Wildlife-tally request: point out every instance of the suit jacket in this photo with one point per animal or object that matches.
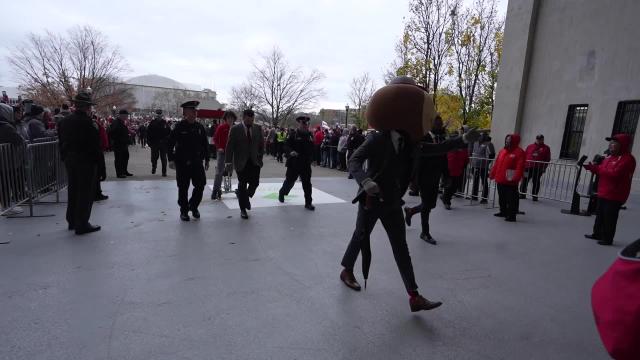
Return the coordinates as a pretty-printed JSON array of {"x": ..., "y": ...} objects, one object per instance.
[{"x": 239, "y": 151}]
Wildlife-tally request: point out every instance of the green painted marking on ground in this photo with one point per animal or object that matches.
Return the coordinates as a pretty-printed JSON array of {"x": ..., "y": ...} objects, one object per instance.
[{"x": 274, "y": 196}]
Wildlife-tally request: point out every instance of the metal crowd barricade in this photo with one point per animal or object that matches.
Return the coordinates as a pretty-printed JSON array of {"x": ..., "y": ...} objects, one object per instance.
[
  {"x": 30, "y": 174},
  {"x": 557, "y": 181}
]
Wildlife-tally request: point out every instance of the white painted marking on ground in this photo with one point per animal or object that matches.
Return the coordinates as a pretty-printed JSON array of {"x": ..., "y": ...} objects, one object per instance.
[{"x": 267, "y": 196}]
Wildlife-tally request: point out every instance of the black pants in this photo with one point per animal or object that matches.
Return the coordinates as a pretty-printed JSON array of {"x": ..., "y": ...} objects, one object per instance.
[
  {"x": 187, "y": 174},
  {"x": 508, "y": 200},
  {"x": 121, "y": 160},
  {"x": 480, "y": 174},
  {"x": 452, "y": 186},
  {"x": 279, "y": 151},
  {"x": 317, "y": 154},
  {"x": 534, "y": 175},
  {"x": 302, "y": 171},
  {"x": 81, "y": 175},
  {"x": 393, "y": 222},
  {"x": 98, "y": 187},
  {"x": 606, "y": 220},
  {"x": 334, "y": 157},
  {"x": 343, "y": 160},
  {"x": 248, "y": 181},
  {"x": 161, "y": 152}
]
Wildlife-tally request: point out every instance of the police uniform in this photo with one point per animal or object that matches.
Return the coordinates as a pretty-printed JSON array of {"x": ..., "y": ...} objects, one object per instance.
[
  {"x": 187, "y": 149},
  {"x": 158, "y": 136},
  {"x": 299, "y": 149},
  {"x": 82, "y": 155}
]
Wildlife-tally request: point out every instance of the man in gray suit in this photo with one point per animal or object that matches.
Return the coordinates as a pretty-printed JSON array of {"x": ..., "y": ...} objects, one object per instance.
[{"x": 244, "y": 152}]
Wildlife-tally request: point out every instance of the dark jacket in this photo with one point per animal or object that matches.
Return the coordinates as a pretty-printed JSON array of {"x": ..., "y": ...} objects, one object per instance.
[
  {"x": 119, "y": 135},
  {"x": 158, "y": 132},
  {"x": 36, "y": 129},
  {"x": 80, "y": 140},
  {"x": 188, "y": 143},
  {"x": 302, "y": 143},
  {"x": 354, "y": 141},
  {"x": 239, "y": 151}
]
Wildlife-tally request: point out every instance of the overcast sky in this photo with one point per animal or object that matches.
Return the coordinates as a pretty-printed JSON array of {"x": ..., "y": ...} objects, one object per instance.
[{"x": 214, "y": 43}]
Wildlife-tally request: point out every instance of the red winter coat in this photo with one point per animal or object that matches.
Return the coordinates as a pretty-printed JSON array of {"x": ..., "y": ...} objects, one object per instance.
[
  {"x": 457, "y": 160},
  {"x": 509, "y": 161},
  {"x": 221, "y": 136},
  {"x": 537, "y": 153},
  {"x": 616, "y": 172},
  {"x": 104, "y": 139},
  {"x": 615, "y": 299},
  {"x": 318, "y": 137}
]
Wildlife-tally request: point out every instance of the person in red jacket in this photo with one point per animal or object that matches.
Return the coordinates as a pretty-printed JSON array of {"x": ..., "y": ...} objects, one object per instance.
[
  {"x": 456, "y": 161},
  {"x": 318, "y": 137},
  {"x": 614, "y": 185},
  {"x": 220, "y": 141},
  {"x": 538, "y": 156},
  {"x": 507, "y": 172}
]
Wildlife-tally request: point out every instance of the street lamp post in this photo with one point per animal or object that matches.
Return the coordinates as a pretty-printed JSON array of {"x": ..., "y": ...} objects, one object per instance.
[{"x": 346, "y": 116}]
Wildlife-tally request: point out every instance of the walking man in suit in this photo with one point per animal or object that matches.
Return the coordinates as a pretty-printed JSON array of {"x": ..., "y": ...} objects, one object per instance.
[{"x": 244, "y": 152}]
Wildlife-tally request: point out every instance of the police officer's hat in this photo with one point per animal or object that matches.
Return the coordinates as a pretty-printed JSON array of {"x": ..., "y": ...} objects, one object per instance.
[
  {"x": 190, "y": 104},
  {"x": 303, "y": 118},
  {"x": 123, "y": 112},
  {"x": 159, "y": 111}
]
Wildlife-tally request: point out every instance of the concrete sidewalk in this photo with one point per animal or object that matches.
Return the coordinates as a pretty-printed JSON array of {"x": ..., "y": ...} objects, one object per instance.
[{"x": 151, "y": 287}]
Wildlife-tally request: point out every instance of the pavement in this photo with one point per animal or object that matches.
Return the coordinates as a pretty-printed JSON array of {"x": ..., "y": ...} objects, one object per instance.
[{"x": 149, "y": 286}]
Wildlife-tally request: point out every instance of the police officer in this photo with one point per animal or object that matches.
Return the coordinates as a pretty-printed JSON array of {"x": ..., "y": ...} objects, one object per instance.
[
  {"x": 82, "y": 155},
  {"x": 187, "y": 149},
  {"x": 120, "y": 140},
  {"x": 299, "y": 150},
  {"x": 158, "y": 139}
]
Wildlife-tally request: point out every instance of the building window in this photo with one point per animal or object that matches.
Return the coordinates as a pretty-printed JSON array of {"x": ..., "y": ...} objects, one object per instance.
[
  {"x": 626, "y": 120},
  {"x": 573, "y": 130}
]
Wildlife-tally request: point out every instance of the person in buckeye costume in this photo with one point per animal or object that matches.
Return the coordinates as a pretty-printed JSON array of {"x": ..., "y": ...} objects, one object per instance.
[{"x": 402, "y": 113}]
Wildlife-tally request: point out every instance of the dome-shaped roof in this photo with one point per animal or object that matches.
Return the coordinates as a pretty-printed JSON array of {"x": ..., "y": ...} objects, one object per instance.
[{"x": 156, "y": 80}]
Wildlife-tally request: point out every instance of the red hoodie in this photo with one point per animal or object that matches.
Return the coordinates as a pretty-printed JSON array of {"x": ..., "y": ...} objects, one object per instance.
[
  {"x": 457, "y": 160},
  {"x": 221, "y": 136},
  {"x": 535, "y": 153},
  {"x": 318, "y": 137},
  {"x": 616, "y": 172},
  {"x": 615, "y": 299},
  {"x": 510, "y": 161}
]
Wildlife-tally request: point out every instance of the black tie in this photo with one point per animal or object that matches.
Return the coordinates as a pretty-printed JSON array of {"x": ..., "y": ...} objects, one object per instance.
[{"x": 249, "y": 133}]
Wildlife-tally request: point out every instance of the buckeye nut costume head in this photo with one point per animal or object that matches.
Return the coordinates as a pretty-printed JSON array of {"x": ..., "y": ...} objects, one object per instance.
[{"x": 402, "y": 105}]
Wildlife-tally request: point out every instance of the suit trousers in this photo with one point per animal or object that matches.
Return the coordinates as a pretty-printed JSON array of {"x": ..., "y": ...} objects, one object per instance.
[
  {"x": 393, "y": 222},
  {"x": 81, "y": 189},
  {"x": 159, "y": 151},
  {"x": 508, "y": 199},
  {"x": 303, "y": 171},
  {"x": 186, "y": 174},
  {"x": 606, "y": 219},
  {"x": 121, "y": 160},
  {"x": 452, "y": 186},
  {"x": 248, "y": 181}
]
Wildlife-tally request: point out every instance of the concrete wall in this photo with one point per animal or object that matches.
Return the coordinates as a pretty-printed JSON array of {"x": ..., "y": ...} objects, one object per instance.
[{"x": 583, "y": 52}]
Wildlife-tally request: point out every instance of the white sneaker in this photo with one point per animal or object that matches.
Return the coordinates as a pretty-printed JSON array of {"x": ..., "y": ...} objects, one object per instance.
[{"x": 14, "y": 211}]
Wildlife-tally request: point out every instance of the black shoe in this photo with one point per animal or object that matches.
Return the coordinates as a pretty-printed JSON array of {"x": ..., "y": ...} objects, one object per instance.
[
  {"x": 128, "y": 174},
  {"x": 447, "y": 206},
  {"x": 195, "y": 213},
  {"x": 121, "y": 176},
  {"x": 153, "y": 171},
  {"x": 101, "y": 197},
  {"x": 280, "y": 196},
  {"x": 483, "y": 202},
  {"x": 164, "y": 175},
  {"x": 510, "y": 219},
  {"x": 428, "y": 239},
  {"x": 87, "y": 229},
  {"x": 592, "y": 237},
  {"x": 407, "y": 215},
  {"x": 71, "y": 227},
  {"x": 310, "y": 207},
  {"x": 535, "y": 198},
  {"x": 605, "y": 243},
  {"x": 520, "y": 212},
  {"x": 499, "y": 214},
  {"x": 350, "y": 176},
  {"x": 185, "y": 217},
  {"x": 243, "y": 214},
  {"x": 523, "y": 196}
]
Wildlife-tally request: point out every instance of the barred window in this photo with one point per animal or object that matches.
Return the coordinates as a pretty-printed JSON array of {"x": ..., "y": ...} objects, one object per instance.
[
  {"x": 626, "y": 120},
  {"x": 573, "y": 130}
]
